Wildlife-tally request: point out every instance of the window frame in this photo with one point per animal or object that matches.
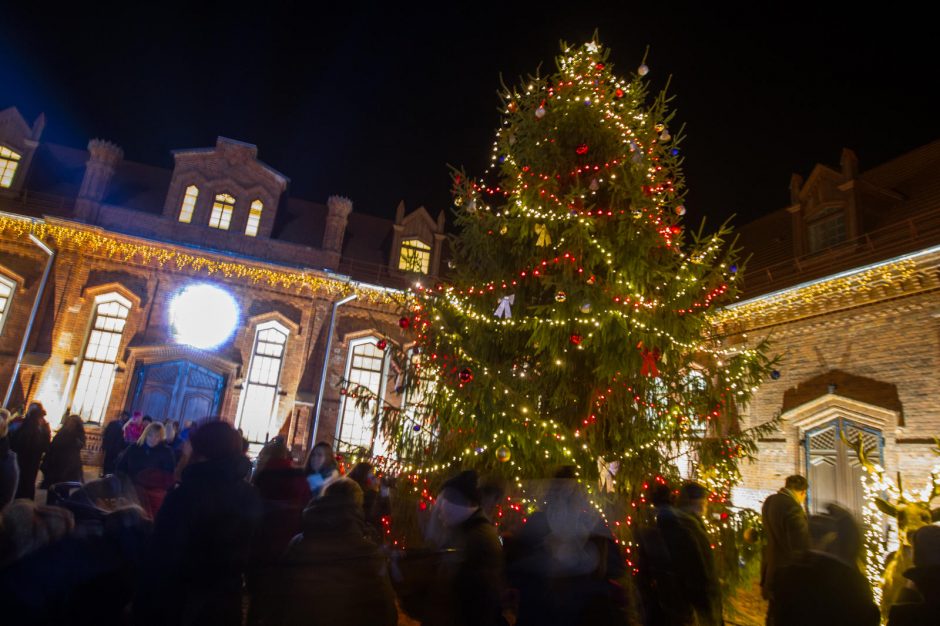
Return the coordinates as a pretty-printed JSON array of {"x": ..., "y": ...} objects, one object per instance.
[
  {"x": 223, "y": 207},
  {"x": 100, "y": 300},
  {"x": 382, "y": 372},
  {"x": 254, "y": 361},
  {"x": 11, "y": 284},
  {"x": 414, "y": 255},
  {"x": 820, "y": 235},
  {"x": 9, "y": 165},
  {"x": 186, "y": 204},
  {"x": 254, "y": 218}
]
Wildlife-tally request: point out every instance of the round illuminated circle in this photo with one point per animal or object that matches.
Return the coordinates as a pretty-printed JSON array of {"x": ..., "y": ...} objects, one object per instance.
[{"x": 203, "y": 316}]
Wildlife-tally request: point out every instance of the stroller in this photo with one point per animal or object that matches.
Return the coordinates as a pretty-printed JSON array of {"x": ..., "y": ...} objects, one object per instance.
[{"x": 91, "y": 502}]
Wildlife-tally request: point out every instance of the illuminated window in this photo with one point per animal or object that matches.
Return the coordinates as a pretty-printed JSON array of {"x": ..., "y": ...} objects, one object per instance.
[
  {"x": 189, "y": 204},
  {"x": 259, "y": 399},
  {"x": 9, "y": 160},
  {"x": 419, "y": 391},
  {"x": 827, "y": 229},
  {"x": 415, "y": 256},
  {"x": 254, "y": 218},
  {"x": 6, "y": 296},
  {"x": 93, "y": 389},
  {"x": 365, "y": 369},
  {"x": 222, "y": 211}
]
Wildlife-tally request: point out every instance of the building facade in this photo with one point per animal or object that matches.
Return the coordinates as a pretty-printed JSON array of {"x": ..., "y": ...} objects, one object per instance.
[
  {"x": 845, "y": 282},
  {"x": 205, "y": 290}
]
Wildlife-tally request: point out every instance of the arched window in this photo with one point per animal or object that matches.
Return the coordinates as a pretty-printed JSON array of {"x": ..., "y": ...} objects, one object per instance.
[
  {"x": 7, "y": 288},
  {"x": 254, "y": 218},
  {"x": 9, "y": 161},
  {"x": 93, "y": 389},
  {"x": 415, "y": 256},
  {"x": 366, "y": 366},
  {"x": 222, "y": 211},
  {"x": 258, "y": 402},
  {"x": 189, "y": 204}
]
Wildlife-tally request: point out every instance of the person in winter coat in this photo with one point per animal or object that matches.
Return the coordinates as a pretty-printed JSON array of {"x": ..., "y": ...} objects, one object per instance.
[
  {"x": 112, "y": 443},
  {"x": 30, "y": 442},
  {"x": 202, "y": 537},
  {"x": 825, "y": 586},
  {"x": 926, "y": 578},
  {"x": 134, "y": 428},
  {"x": 374, "y": 506},
  {"x": 9, "y": 468},
  {"x": 332, "y": 574},
  {"x": 467, "y": 586},
  {"x": 786, "y": 533},
  {"x": 320, "y": 467},
  {"x": 149, "y": 465},
  {"x": 63, "y": 462}
]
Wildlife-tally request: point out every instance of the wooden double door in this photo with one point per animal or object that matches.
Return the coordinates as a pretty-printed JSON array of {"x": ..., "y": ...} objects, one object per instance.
[
  {"x": 177, "y": 390},
  {"x": 833, "y": 468}
]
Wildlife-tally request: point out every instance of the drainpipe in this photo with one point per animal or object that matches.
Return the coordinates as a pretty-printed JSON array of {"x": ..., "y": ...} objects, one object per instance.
[
  {"x": 32, "y": 315},
  {"x": 326, "y": 364}
]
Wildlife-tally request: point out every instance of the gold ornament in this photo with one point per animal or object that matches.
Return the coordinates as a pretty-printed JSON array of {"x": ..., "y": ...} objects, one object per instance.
[
  {"x": 503, "y": 454},
  {"x": 561, "y": 296}
]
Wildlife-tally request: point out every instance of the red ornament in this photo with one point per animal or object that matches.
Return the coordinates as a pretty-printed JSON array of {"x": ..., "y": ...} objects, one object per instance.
[
  {"x": 576, "y": 339},
  {"x": 618, "y": 94},
  {"x": 404, "y": 322},
  {"x": 465, "y": 375},
  {"x": 599, "y": 66},
  {"x": 381, "y": 344},
  {"x": 582, "y": 149},
  {"x": 649, "y": 362}
]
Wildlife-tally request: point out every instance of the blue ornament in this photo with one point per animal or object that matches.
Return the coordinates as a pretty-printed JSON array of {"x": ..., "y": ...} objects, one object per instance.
[
  {"x": 502, "y": 158},
  {"x": 675, "y": 152},
  {"x": 775, "y": 374},
  {"x": 417, "y": 428},
  {"x": 733, "y": 269}
]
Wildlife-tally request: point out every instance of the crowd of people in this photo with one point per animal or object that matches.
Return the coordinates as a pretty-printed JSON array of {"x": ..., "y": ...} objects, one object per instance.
[{"x": 182, "y": 528}]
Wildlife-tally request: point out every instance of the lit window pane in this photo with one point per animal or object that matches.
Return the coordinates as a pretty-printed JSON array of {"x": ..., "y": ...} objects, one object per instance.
[
  {"x": 189, "y": 204},
  {"x": 254, "y": 218},
  {"x": 364, "y": 369},
  {"x": 222, "y": 211},
  {"x": 97, "y": 370},
  {"x": 6, "y": 294},
  {"x": 415, "y": 256},
  {"x": 258, "y": 400},
  {"x": 9, "y": 161}
]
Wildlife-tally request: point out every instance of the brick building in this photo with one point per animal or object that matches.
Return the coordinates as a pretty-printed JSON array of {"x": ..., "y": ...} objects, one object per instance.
[
  {"x": 845, "y": 282},
  {"x": 202, "y": 290}
]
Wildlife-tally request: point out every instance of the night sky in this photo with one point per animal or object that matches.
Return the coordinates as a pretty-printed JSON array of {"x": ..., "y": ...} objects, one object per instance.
[{"x": 374, "y": 103}]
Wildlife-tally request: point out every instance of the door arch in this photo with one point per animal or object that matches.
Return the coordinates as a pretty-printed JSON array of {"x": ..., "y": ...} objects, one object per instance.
[{"x": 177, "y": 390}]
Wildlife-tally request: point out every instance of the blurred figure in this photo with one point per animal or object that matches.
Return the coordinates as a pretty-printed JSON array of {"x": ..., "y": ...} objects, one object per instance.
[
  {"x": 26, "y": 527},
  {"x": 468, "y": 582},
  {"x": 63, "y": 462},
  {"x": 658, "y": 582},
  {"x": 492, "y": 492},
  {"x": 202, "y": 537},
  {"x": 133, "y": 428},
  {"x": 332, "y": 574},
  {"x": 825, "y": 585},
  {"x": 9, "y": 468},
  {"x": 374, "y": 506},
  {"x": 112, "y": 442},
  {"x": 786, "y": 534},
  {"x": 567, "y": 564},
  {"x": 30, "y": 442},
  {"x": 926, "y": 578},
  {"x": 146, "y": 420},
  {"x": 170, "y": 427},
  {"x": 691, "y": 553},
  {"x": 320, "y": 467},
  {"x": 149, "y": 464}
]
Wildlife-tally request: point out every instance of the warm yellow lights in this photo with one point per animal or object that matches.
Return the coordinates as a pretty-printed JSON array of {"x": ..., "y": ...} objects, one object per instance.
[
  {"x": 9, "y": 161},
  {"x": 415, "y": 256},
  {"x": 189, "y": 204},
  {"x": 254, "y": 218},
  {"x": 222, "y": 211}
]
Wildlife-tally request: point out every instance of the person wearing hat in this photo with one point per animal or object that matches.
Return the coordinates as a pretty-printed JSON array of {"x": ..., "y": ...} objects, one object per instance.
[
  {"x": 469, "y": 579},
  {"x": 926, "y": 577}
]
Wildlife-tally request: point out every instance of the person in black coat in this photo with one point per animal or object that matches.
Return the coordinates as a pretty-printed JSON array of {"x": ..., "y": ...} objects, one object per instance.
[
  {"x": 202, "y": 537},
  {"x": 30, "y": 442},
  {"x": 926, "y": 578},
  {"x": 9, "y": 468},
  {"x": 825, "y": 586},
  {"x": 786, "y": 533},
  {"x": 63, "y": 462},
  {"x": 112, "y": 443},
  {"x": 332, "y": 573}
]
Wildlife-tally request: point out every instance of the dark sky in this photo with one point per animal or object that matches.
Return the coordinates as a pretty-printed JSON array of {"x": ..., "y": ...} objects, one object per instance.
[{"x": 374, "y": 103}]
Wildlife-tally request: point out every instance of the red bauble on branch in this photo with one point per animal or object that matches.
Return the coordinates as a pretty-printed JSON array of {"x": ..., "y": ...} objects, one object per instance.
[
  {"x": 381, "y": 344},
  {"x": 576, "y": 339},
  {"x": 465, "y": 375},
  {"x": 404, "y": 322},
  {"x": 582, "y": 149}
]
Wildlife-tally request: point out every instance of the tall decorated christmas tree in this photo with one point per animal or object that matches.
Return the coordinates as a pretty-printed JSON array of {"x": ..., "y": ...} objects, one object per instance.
[{"x": 573, "y": 325}]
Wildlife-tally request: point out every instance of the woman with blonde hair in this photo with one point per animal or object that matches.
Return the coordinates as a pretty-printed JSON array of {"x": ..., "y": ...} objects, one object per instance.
[{"x": 149, "y": 465}]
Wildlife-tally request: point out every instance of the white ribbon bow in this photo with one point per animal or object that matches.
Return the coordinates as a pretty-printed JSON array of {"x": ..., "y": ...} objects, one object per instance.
[{"x": 504, "y": 309}]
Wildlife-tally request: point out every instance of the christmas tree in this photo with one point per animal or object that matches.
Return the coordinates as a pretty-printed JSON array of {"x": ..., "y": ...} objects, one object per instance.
[{"x": 573, "y": 327}]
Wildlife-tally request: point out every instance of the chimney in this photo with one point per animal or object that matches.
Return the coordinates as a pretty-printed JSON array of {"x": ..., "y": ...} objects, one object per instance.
[
  {"x": 102, "y": 160},
  {"x": 849, "y": 164},
  {"x": 338, "y": 210}
]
